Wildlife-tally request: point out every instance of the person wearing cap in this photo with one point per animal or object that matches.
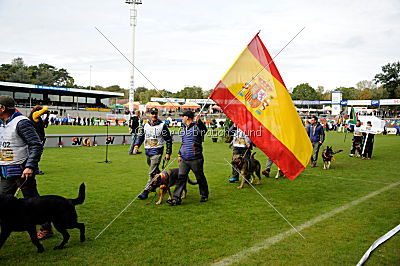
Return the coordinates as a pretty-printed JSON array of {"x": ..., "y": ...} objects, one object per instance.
[
  {"x": 20, "y": 152},
  {"x": 134, "y": 125},
  {"x": 190, "y": 157},
  {"x": 368, "y": 144},
  {"x": 241, "y": 147},
  {"x": 154, "y": 134},
  {"x": 39, "y": 123}
]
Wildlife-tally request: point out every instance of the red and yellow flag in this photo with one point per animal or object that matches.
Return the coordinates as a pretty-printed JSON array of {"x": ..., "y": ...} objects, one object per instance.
[{"x": 253, "y": 95}]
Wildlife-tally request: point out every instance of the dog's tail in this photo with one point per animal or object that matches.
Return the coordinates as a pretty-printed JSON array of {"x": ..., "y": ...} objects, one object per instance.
[
  {"x": 252, "y": 156},
  {"x": 337, "y": 151},
  {"x": 81, "y": 196},
  {"x": 192, "y": 182}
]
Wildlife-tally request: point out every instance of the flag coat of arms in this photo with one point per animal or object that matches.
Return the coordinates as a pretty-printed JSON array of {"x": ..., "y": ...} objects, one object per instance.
[{"x": 253, "y": 95}]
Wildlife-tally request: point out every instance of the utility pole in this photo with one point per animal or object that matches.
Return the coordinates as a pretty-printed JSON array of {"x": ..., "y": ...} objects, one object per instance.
[
  {"x": 133, "y": 16},
  {"x": 90, "y": 74}
]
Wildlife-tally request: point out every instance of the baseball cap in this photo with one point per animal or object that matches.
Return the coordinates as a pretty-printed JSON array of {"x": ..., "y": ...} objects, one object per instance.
[
  {"x": 153, "y": 110},
  {"x": 7, "y": 101},
  {"x": 189, "y": 114}
]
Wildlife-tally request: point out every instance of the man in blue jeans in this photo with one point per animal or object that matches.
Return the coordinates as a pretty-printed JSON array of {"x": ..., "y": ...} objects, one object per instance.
[
  {"x": 190, "y": 157},
  {"x": 317, "y": 137}
]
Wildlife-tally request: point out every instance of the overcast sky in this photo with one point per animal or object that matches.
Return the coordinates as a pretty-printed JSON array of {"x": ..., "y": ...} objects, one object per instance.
[{"x": 191, "y": 42}]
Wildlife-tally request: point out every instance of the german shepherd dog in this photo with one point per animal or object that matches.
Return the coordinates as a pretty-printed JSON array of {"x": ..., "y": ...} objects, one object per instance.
[
  {"x": 17, "y": 215},
  {"x": 247, "y": 166},
  {"x": 166, "y": 179},
  {"x": 327, "y": 156}
]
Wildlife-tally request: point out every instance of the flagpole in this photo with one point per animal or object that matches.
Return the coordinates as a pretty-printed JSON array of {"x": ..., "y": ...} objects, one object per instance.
[{"x": 365, "y": 144}]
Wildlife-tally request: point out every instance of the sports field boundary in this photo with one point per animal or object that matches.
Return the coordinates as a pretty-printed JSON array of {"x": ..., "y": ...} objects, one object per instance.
[{"x": 266, "y": 243}]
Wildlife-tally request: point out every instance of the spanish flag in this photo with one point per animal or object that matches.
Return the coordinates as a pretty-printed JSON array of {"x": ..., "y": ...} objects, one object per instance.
[{"x": 253, "y": 95}]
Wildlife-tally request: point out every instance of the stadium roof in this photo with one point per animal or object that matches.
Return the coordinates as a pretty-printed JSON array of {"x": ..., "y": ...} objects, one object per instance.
[{"x": 23, "y": 87}]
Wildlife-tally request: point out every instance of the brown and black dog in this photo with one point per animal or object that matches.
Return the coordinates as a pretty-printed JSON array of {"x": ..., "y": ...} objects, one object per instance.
[
  {"x": 165, "y": 180},
  {"x": 327, "y": 156},
  {"x": 247, "y": 166}
]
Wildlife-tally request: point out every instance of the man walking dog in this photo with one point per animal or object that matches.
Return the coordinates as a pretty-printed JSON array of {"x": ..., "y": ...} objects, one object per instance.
[
  {"x": 190, "y": 157},
  {"x": 317, "y": 137},
  {"x": 154, "y": 134},
  {"x": 20, "y": 152}
]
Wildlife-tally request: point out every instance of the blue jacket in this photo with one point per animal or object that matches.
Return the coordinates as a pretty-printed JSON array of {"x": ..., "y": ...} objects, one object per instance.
[
  {"x": 192, "y": 138},
  {"x": 316, "y": 134},
  {"x": 155, "y": 151}
]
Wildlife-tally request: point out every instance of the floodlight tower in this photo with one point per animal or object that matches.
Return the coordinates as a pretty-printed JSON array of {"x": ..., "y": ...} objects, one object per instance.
[{"x": 133, "y": 15}]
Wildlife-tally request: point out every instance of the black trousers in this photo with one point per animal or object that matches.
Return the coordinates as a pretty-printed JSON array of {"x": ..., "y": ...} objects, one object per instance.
[
  {"x": 10, "y": 185},
  {"x": 357, "y": 142},
  {"x": 197, "y": 167},
  {"x": 369, "y": 146}
]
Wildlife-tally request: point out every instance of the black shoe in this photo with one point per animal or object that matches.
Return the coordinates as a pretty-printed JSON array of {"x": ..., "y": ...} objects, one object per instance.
[
  {"x": 174, "y": 202},
  {"x": 144, "y": 195},
  {"x": 40, "y": 173},
  {"x": 204, "y": 199}
]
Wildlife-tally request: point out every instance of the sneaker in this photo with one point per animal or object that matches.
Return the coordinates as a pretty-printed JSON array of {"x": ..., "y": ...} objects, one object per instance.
[
  {"x": 313, "y": 165},
  {"x": 351, "y": 155},
  {"x": 44, "y": 234},
  {"x": 40, "y": 172},
  {"x": 174, "y": 202},
  {"x": 233, "y": 179},
  {"x": 144, "y": 195},
  {"x": 204, "y": 199},
  {"x": 281, "y": 174},
  {"x": 265, "y": 172}
]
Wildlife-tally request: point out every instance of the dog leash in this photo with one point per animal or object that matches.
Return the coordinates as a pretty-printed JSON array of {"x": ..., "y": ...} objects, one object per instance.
[
  {"x": 152, "y": 199},
  {"x": 19, "y": 189}
]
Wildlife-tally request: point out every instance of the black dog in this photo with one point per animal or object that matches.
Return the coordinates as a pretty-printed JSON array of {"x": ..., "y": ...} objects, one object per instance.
[
  {"x": 24, "y": 214},
  {"x": 247, "y": 167},
  {"x": 327, "y": 156},
  {"x": 166, "y": 179}
]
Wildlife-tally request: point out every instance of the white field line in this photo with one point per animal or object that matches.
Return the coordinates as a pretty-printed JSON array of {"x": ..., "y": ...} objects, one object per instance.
[
  {"x": 345, "y": 178},
  {"x": 266, "y": 243}
]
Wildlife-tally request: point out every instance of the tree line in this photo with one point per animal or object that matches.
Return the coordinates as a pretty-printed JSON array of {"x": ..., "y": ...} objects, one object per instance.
[{"x": 384, "y": 85}]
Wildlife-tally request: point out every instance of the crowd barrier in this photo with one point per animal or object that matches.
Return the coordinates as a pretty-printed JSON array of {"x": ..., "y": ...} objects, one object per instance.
[{"x": 79, "y": 140}]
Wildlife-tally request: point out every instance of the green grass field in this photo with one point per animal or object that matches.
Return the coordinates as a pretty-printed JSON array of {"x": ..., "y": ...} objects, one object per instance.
[{"x": 233, "y": 220}]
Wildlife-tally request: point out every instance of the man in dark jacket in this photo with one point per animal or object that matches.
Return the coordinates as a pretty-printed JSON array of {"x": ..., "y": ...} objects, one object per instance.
[
  {"x": 134, "y": 124},
  {"x": 317, "y": 136},
  {"x": 154, "y": 134},
  {"x": 20, "y": 151},
  {"x": 190, "y": 157}
]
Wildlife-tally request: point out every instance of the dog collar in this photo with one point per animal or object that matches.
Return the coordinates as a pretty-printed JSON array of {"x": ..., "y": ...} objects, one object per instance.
[{"x": 162, "y": 177}]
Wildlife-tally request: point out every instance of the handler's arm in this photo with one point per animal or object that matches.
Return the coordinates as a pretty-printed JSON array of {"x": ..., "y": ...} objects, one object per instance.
[
  {"x": 322, "y": 136},
  {"x": 27, "y": 132},
  {"x": 168, "y": 139},
  {"x": 140, "y": 138}
]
